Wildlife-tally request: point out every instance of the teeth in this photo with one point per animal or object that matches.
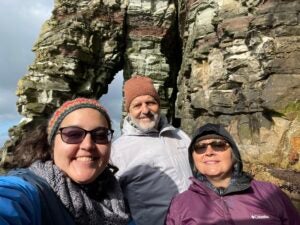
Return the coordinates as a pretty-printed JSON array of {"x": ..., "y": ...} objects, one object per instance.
[{"x": 85, "y": 159}]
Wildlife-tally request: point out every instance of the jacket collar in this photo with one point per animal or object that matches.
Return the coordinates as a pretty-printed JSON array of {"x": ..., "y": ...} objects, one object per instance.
[{"x": 237, "y": 184}]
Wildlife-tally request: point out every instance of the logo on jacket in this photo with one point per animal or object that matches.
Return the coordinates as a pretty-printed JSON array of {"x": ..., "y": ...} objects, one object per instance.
[{"x": 259, "y": 217}]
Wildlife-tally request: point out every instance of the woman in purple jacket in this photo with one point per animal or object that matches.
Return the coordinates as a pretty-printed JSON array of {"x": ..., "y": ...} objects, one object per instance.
[{"x": 221, "y": 193}]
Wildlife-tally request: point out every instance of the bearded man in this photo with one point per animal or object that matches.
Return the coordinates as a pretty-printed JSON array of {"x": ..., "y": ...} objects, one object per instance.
[{"x": 151, "y": 155}]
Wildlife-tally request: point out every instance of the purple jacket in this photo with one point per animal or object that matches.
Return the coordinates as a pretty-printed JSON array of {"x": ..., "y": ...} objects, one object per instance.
[{"x": 262, "y": 203}]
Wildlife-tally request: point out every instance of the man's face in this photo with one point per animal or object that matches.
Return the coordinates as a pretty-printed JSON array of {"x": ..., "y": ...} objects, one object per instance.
[{"x": 144, "y": 111}]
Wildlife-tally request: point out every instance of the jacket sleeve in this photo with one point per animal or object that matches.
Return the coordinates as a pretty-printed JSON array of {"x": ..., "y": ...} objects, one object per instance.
[
  {"x": 19, "y": 202},
  {"x": 173, "y": 217}
]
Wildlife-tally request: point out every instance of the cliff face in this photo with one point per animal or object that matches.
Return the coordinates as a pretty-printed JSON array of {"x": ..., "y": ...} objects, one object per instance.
[
  {"x": 240, "y": 68},
  {"x": 234, "y": 62}
]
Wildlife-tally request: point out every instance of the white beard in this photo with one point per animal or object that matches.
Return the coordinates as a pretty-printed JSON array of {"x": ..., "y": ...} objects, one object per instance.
[{"x": 149, "y": 125}]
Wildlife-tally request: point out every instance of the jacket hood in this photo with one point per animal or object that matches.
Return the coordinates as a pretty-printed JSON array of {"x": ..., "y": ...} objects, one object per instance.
[{"x": 219, "y": 130}]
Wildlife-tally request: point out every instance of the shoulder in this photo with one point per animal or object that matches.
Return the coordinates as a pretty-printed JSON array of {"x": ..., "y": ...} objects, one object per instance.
[
  {"x": 119, "y": 140},
  {"x": 173, "y": 132},
  {"x": 21, "y": 188},
  {"x": 19, "y": 200},
  {"x": 128, "y": 143},
  {"x": 181, "y": 206},
  {"x": 267, "y": 190},
  {"x": 263, "y": 186},
  {"x": 183, "y": 199},
  {"x": 123, "y": 143},
  {"x": 17, "y": 184},
  {"x": 183, "y": 134},
  {"x": 31, "y": 178},
  {"x": 264, "y": 189}
]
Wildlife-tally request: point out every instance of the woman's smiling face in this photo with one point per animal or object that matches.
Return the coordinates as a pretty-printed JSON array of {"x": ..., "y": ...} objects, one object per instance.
[
  {"x": 216, "y": 162},
  {"x": 85, "y": 161}
]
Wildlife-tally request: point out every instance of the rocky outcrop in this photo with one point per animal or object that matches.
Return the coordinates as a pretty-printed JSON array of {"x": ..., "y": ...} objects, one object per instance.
[
  {"x": 231, "y": 62},
  {"x": 240, "y": 68}
]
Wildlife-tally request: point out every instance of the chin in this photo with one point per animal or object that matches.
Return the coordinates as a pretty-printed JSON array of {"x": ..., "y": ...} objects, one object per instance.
[
  {"x": 146, "y": 126},
  {"x": 84, "y": 177},
  {"x": 86, "y": 180}
]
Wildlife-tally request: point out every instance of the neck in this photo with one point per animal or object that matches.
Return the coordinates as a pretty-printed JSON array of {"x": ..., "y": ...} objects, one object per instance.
[{"x": 219, "y": 183}]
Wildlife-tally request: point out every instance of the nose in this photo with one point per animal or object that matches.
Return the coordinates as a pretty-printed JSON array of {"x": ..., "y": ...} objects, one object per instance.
[
  {"x": 87, "y": 143},
  {"x": 209, "y": 150},
  {"x": 145, "y": 109}
]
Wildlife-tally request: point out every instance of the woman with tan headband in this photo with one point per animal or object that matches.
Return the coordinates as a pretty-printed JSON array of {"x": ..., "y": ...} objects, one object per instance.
[
  {"x": 221, "y": 192},
  {"x": 62, "y": 176}
]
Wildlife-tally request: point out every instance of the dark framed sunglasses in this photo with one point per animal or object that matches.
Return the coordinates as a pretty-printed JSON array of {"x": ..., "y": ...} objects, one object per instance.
[
  {"x": 216, "y": 145},
  {"x": 75, "y": 135}
]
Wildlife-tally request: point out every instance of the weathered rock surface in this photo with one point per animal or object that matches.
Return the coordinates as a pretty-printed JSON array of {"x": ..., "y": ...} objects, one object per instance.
[{"x": 231, "y": 62}]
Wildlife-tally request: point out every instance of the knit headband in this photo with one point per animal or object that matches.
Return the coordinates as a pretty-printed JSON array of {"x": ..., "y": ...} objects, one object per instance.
[
  {"x": 68, "y": 107},
  {"x": 138, "y": 86}
]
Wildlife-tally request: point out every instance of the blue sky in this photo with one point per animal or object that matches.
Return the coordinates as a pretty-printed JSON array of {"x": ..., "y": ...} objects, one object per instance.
[{"x": 20, "y": 22}]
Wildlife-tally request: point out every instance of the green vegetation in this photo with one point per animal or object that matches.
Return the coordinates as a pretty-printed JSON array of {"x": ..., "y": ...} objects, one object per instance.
[{"x": 293, "y": 107}]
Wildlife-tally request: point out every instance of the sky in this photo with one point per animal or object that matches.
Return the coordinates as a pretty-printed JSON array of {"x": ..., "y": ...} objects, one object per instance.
[{"x": 20, "y": 23}]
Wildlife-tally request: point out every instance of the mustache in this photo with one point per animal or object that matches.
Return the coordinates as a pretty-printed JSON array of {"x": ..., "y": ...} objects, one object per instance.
[
  {"x": 146, "y": 126},
  {"x": 149, "y": 114}
]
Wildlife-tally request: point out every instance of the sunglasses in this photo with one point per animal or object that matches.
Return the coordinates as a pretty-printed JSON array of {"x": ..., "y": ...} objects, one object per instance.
[
  {"x": 216, "y": 145},
  {"x": 75, "y": 135}
]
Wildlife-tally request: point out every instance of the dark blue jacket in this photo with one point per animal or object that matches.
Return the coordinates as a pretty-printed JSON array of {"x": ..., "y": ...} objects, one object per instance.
[{"x": 27, "y": 199}]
